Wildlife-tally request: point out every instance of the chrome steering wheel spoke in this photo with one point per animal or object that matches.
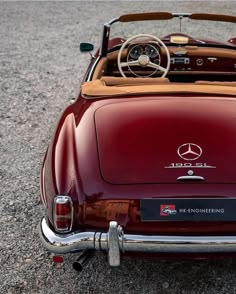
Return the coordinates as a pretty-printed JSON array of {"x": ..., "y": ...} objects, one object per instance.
[
  {"x": 129, "y": 63},
  {"x": 156, "y": 66}
]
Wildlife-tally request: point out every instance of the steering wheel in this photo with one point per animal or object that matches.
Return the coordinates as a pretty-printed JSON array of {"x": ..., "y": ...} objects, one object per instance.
[{"x": 143, "y": 60}]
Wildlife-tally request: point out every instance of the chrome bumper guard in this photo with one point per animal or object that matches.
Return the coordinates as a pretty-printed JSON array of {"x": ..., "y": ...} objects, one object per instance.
[{"x": 116, "y": 242}]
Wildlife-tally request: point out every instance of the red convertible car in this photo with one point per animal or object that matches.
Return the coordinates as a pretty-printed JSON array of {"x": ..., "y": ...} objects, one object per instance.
[{"x": 144, "y": 161}]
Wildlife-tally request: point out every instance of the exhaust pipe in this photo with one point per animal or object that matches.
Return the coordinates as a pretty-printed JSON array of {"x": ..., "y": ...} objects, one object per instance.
[{"x": 82, "y": 260}]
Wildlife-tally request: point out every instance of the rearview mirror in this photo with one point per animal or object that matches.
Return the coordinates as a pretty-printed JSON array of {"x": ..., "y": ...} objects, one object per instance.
[{"x": 86, "y": 47}]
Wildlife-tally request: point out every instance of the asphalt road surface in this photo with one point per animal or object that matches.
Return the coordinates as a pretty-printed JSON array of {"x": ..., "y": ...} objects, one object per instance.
[{"x": 40, "y": 71}]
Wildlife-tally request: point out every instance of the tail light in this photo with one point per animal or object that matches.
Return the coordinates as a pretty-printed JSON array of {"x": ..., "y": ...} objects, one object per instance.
[{"x": 63, "y": 213}]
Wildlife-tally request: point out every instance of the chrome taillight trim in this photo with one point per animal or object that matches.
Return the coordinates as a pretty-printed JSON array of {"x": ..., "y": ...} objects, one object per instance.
[{"x": 62, "y": 199}]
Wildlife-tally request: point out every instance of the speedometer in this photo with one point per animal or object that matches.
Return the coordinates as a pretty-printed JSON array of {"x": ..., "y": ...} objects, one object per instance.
[
  {"x": 151, "y": 51},
  {"x": 135, "y": 52}
]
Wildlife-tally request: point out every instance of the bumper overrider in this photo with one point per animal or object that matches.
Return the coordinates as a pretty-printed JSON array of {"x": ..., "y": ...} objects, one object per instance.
[{"x": 115, "y": 242}]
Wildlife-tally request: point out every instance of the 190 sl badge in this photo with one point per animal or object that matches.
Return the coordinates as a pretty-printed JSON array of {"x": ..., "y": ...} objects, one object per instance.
[{"x": 189, "y": 152}]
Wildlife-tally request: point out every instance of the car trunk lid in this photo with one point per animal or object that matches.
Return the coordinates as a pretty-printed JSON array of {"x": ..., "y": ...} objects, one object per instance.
[{"x": 181, "y": 139}]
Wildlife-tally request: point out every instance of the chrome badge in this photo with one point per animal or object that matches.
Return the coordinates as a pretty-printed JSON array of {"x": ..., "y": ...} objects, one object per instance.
[{"x": 189, "y": 151}]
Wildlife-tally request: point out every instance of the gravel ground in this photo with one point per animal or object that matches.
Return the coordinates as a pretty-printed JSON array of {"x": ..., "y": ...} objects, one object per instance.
[{"x": 40, "y": 71}]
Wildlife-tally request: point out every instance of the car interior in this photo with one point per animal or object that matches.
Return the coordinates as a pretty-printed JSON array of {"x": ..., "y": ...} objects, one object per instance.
[{"x": 177, "y": 62}]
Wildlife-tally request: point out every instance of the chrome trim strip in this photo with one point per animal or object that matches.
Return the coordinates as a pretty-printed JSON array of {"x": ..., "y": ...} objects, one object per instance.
[
  {"x": 115, "y": 241},
  {"x": 183, "y": 14},
  {"x": 113, "y": 21},
  {"x": 65, "y": 243},
  {"x": 191, "y": 166},
  {"x": 91, "y": 71},
  {"x": 180, "y": 244},
  {"x": 190, "y": 178}
]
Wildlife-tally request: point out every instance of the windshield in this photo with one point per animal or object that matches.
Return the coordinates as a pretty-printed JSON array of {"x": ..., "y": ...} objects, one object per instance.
[{"x": 198, "y": 29}]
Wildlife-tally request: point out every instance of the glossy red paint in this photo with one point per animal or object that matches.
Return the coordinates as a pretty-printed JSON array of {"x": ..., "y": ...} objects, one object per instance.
[
  {"x": 109, "y": 153},
  {"x": 232, "y": 41},
  {"x": 73, "y": 166},
  {"x": 138, "y": 140}
]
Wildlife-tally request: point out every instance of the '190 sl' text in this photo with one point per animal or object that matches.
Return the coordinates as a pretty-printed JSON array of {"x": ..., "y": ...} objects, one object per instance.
[{"x": 190, "y": 165}]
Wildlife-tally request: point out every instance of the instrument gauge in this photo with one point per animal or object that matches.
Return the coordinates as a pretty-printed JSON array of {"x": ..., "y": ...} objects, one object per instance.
[
  {"x": 135, "y": 52},
  {"x": 151, "y": 51}
]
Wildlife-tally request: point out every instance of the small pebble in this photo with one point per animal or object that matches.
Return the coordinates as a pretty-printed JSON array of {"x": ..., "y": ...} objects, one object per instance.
[{"x": 165, "y": 285}]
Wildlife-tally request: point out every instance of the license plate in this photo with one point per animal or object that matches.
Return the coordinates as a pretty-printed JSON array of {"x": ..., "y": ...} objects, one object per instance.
[{"x": 182, "y": 209}]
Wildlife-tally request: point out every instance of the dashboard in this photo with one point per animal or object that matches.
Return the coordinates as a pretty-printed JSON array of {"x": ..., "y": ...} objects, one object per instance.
[{"x": 187, "y": 58}]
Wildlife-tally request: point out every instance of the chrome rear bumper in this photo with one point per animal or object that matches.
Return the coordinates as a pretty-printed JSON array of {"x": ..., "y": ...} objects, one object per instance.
[{"x": 116, "y": 242}]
